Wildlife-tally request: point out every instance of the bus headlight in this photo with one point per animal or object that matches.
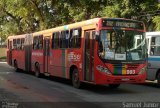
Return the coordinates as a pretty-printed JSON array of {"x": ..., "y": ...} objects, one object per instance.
[
  {"x": 103, "y": 69},
  {"x": 142, "y": 71}
]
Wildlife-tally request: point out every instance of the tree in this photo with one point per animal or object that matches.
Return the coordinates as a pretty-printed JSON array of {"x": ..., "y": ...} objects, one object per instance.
[{"x": 27, "y": 16}]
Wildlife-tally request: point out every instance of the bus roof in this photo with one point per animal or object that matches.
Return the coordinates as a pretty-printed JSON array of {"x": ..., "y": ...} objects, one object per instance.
[
  {"x": 70, "y": 26},
  {"x": 77, "y": 25},
  {"x": 17, "y": 36},
  {"x": 156, "y": 33}
]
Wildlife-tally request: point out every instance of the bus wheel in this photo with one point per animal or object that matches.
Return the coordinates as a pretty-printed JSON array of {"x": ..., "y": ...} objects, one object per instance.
[
  {"x": 114, "y": 86},
  {"x": 158, "y": 79},
  {"x": 37, "y": 71},
  {"x": 16, "y": 66},
  {"x": 75, "y": 79}
]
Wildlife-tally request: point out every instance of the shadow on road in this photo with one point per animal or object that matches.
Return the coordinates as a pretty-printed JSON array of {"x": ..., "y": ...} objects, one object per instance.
[
  {"x": 99, "y": 89},
  {"x": 150, "y": 84},
  {"x": 105, "y": 89}
]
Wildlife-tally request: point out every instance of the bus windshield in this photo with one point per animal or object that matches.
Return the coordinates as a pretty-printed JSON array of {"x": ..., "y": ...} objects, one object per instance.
[{"x": 122, "y": 45}]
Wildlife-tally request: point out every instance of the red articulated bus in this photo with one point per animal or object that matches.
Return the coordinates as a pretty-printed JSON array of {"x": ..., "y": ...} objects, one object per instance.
[
  {"x": 17, "y": 53},
  {"x": 97, "y": 51}
]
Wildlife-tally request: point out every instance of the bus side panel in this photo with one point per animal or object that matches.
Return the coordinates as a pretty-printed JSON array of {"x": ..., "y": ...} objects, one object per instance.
[
  {"x": 153, "y": 67},
  {"x": 55, "y": 66},
  {"x": 151, "y": 74},
  {"x": 61, "y": 60},
  {"x": 37, "y": 57},
  {"x": 20, "y": 59},
  {"x": 74, "y": 57},
  {"x": 14, "y": 56},
  {"x": 98, "y": 75}
]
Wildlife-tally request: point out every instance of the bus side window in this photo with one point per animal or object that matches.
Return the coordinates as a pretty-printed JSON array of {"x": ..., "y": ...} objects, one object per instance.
[
  {"x": 67, "y": 36},
  {"x": 35, "y": 43},
  {"x": 75, "y": 38},
  {"x": 38, "y": 42},
  {"x": 22, "y": 44},
  {"x": 18, "y": 44},
  {"x": 60, "y": 40},
  {"x": 65, "y": 39},
  {"x": 10, "y": 45},
  {"x": 55, "y": 40},
  {"x": 155, "y": 46},
  {"x": 14, "y": 44}
]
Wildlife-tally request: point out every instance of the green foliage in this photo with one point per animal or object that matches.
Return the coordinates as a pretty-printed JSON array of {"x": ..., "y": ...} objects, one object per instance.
[
  {"x": 156, "y": 20},
  {"x": 25, "y": 16},
  {"x": 2, "y": 54}
]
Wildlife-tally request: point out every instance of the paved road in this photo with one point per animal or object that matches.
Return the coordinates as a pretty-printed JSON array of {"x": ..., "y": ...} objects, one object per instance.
[{"x": 25, "y": 89}]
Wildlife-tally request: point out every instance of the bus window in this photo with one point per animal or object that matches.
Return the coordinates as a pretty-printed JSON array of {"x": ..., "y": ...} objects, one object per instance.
[
  {"x": 122, "y": 43},
  {"x": 22, "y": 43},
  {"x": 53, "y": 36},
  {"x": 155, "y": 46},
  {"x": 18, "y": 44},
  {"x": 14, "y": 44},
  {"x": 35, "y": 43},
  {"x": 38, "y": 42},
  {"x": 65, "y": 39},
  {"x": 10, "y": 45},
  {"x": 75, "y": 38},
  {"x": 55, "y": 40}
]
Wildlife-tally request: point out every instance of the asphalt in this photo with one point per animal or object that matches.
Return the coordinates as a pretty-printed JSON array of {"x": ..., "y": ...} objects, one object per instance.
[{"x": 28, "y": 91}]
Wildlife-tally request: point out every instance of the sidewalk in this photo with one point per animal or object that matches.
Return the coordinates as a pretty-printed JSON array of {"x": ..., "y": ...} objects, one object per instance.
[{"x": 2, "y": 60}]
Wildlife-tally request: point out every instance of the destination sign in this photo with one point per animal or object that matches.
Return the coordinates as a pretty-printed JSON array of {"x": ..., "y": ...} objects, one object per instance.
[{"x": 122, "y": 23}]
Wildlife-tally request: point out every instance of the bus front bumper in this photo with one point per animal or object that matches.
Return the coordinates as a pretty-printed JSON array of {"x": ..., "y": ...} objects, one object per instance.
[{"x": 120, "y": 79}]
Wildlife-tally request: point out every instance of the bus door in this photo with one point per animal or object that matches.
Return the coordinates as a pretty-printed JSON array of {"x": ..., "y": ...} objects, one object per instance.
[
  {"x": 88, "y": 67},
  {"x": 46, "y": 53}
]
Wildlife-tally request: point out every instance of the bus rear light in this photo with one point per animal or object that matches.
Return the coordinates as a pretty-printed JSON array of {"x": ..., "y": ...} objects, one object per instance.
[
  {"x": 103, "y": 69},
  {"x": 142, "y": 71}
]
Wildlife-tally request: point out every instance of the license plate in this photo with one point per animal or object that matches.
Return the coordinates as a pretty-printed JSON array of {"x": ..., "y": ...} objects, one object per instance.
[{"x": 125, "y": 79}]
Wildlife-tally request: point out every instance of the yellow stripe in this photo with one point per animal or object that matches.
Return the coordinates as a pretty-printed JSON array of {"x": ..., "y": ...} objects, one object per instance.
[{"x": 124, "y": 69}]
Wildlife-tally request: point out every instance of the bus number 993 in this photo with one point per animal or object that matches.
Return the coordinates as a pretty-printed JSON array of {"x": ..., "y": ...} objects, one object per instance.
[{"x": 131, "y": 72}]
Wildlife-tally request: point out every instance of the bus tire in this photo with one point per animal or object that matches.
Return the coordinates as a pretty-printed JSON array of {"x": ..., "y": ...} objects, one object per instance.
[
  {"x": 16, "y": 66},
  {"x": 114, "y": 86},
  {"x": 158, "y": 79},
  {"x": 37, "y": 71},
  {"x": 75, "y": 79}
]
